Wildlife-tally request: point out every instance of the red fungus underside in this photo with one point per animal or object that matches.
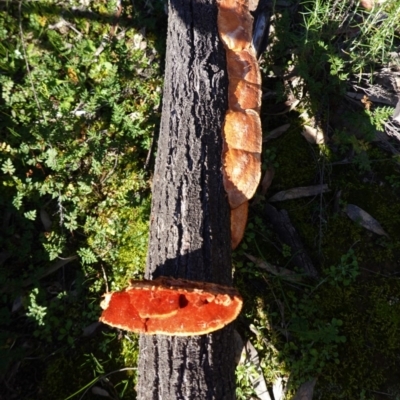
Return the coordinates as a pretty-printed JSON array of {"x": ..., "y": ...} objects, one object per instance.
[{"x": 171, "y": 307}]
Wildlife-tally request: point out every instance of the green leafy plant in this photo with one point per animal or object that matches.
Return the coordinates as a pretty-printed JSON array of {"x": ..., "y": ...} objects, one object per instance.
[
  {"x": 245, "y": 373},
  {"x": 34, "y": 310},
  {"x": 345, "y": 272},
  {"x": 79, "y": 110},
  {"x": 269, "y": 157},
  {"x": 394, "y": 181}
]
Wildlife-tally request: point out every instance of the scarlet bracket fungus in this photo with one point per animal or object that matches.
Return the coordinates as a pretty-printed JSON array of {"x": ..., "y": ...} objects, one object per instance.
[
  {"x": 241, "y": 133},
  {"x": 170, "y": 306},
  {"x": 241, "y": 175},
  {"x": 238, "y": 223}
]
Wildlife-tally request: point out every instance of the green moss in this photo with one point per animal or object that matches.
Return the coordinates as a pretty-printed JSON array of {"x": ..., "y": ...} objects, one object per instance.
[
  {"x": 347, "y": 336},
  {"x": 132, "y": 246},
  {"x": 302, "y": 328},
  {"x": 370, "y": 312},
  {"x": 55, "y": 383},
  {"x": 327, "y": 236},
  {"x": 296, "y": 161}
]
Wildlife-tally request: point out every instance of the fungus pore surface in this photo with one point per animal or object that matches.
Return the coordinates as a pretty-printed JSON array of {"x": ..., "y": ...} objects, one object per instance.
[{"x": 171, "y": 307}]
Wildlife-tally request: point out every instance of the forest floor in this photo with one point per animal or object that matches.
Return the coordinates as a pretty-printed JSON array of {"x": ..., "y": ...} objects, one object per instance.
[{"x": 322, "y": 249}]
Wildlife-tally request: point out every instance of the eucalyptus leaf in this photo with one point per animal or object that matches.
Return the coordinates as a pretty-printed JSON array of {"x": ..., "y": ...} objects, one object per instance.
[
  {"x": 275, "y": 133},
  {"x": 396, "y": 112},
  {"x": 98, "y": 391},
  {"x": 91, "y": 329},
  {"x": 314, "y": 135},
  {"x": 299, "y": 192},
  {"x": 306, "y": 390},
  {"x": 267, "y": 179},
  {"x": 278, "y": 271},
  {"x": 46, "y": 220},
  {"x": 361, "y": 217}
]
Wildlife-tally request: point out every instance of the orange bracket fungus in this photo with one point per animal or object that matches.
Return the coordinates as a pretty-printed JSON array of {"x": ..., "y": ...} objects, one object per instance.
[
  {"x": 238, "y": 223},
  {"x": 171, "y": 306},
  {"x": 242, "y": 135}
]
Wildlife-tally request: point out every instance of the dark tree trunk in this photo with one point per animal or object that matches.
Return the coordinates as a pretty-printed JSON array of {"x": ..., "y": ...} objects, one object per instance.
[{"x": 190, "y": 230}]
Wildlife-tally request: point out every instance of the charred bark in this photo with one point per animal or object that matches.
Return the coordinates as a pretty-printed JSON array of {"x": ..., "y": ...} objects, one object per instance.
[{"x": 190, "y": 230}]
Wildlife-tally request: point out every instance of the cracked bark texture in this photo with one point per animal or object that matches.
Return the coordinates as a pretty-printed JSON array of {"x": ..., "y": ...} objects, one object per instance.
[{"x": 190, "y": 229}]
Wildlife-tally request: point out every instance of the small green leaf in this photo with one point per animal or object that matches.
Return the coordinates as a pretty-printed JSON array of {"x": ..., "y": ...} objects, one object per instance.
[
  {"x": 30, "y": 215},
  {"x": 87, "y": 256},
  {"x": 8, "y": 167}
]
